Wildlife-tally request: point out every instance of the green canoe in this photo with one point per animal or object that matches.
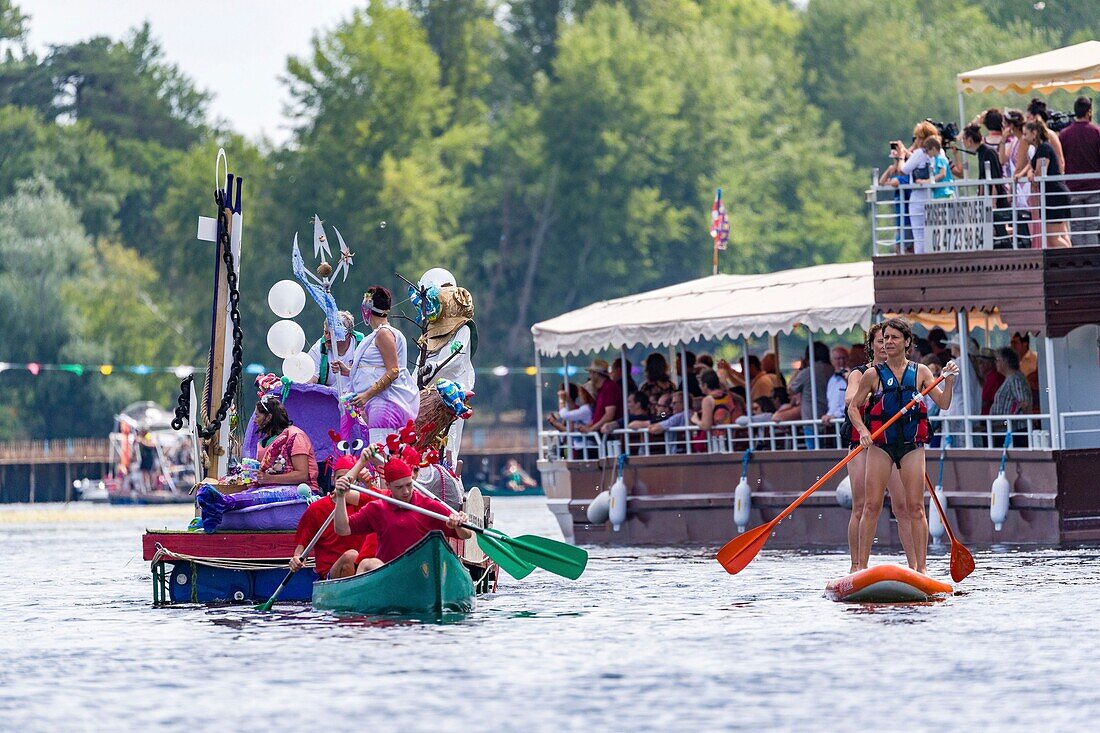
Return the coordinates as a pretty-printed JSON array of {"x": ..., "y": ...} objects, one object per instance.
[{"x": 428, "y": 579}]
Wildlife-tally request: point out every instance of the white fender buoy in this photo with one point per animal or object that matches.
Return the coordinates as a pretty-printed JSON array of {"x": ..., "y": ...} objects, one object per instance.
[
  {"x": 616, "y": 511},
  {"x": 998, "y": 501},
  {"x": 844, "y": 493},
  {"x": 598, "y": 509},
  {"x": 935, "y": 524},
  {"x": 742, "y": 504}
]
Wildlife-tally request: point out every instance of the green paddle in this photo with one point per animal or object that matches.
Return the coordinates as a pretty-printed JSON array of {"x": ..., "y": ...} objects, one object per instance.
[{"x": 517, "y": 556}]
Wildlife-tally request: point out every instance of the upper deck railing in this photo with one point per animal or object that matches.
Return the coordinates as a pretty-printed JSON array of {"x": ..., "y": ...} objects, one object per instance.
[{"x": 984, "y": 214}]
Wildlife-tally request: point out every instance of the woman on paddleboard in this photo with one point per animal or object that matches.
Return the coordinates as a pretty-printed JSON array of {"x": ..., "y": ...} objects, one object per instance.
[{"x": 891, "y": 385}]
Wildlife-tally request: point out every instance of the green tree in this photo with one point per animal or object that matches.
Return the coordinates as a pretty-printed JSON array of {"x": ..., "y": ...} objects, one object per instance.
[{"x": 880, "y": 68}]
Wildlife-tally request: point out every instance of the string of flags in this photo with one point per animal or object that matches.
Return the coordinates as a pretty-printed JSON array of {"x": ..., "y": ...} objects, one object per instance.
[{"x": 182, "y": 371}]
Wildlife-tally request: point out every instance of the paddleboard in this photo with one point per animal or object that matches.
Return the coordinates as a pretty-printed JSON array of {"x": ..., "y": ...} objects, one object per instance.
[{"x": 885, "y": 584}]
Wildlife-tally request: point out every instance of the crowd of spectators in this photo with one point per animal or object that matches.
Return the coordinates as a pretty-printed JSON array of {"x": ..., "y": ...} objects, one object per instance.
[
  {"x": 1010, "y": 149},
  {"x": 1002, "y": 382}
]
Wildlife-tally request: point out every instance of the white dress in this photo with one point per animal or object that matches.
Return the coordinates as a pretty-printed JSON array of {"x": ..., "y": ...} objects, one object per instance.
[{"x": 389, "y": 410}]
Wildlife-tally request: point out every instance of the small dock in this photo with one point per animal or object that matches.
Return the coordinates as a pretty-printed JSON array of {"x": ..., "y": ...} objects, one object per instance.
[{"x": 44, "y": 470}]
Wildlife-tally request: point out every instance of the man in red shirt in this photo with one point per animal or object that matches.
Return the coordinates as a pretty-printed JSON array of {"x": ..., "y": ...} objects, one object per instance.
[
  {"x": 333, "y": 554},
  {"x": 397, "y": 528},
  {"x": 1081, "y": 147},
  {"x": 609, "y": 397}
]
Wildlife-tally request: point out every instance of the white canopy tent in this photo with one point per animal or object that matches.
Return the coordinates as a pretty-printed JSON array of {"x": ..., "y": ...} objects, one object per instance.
[
  {"x": 1070, "y": 69},
  {"x": 823, "y": 298}
]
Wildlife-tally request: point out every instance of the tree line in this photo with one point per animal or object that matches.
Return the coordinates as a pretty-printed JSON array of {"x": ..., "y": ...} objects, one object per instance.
[{"x": 549, "y": 152}]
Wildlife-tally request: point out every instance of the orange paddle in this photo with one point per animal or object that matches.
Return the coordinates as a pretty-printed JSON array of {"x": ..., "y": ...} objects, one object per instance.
[
  {"x": 962, "y": 562},
  {"x": 740, "y": 551}
]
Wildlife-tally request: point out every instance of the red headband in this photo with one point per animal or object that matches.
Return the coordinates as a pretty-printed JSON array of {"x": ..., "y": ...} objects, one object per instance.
[{"x": 344, "y": 463}]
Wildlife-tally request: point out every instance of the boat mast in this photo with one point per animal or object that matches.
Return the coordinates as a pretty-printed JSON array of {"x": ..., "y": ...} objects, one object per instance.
[{"x": 224, "y": 359}]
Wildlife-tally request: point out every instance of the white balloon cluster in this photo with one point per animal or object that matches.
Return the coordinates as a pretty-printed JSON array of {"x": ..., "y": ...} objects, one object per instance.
[{"x": 286, "y": 339}]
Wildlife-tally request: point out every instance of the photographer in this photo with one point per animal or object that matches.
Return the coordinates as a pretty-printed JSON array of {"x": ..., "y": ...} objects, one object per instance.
[
  {"x": 989, "y": 167},
  {"x": 915, "y": 163}
]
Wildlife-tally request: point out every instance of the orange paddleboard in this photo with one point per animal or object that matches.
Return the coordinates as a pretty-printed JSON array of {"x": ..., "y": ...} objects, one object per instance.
[{"x": 885, "y": 584}]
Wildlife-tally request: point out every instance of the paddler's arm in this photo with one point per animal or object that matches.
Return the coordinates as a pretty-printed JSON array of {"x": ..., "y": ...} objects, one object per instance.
[
  {"x": 940, "y": 395},
  {"x": 863, "y": 391},
  {"x": 340, "y": 515},
  {"x": 455, "y": 521},
  {"x": 296, "y": 558}
]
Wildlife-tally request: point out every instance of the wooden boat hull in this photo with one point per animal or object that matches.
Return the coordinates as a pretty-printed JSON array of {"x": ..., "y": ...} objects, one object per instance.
[
  {"x": 428, "y": 579},
  {"x": 886, "y": 584}
]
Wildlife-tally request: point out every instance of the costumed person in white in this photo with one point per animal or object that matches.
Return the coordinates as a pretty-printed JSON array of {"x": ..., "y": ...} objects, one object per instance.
[
  {"x": 327, "y": 370},
  {"x": 452, "y": 330},
  {"x": 384, "y": 391}
]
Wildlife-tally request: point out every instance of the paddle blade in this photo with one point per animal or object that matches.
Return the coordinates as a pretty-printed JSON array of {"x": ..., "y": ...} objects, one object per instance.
[
  {"x": 503, "y": 556},
  {"x": 266, "y": 605},
  {"x": 962, "y": 562},
  {"x": 739, "y": 552},
  {"x": 556, "y": 557}
]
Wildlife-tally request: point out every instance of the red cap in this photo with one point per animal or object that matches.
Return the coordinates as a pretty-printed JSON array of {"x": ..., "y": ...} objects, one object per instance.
[
  {"x": 344, "y": 463},
  {"x": 396, "y": 469}
]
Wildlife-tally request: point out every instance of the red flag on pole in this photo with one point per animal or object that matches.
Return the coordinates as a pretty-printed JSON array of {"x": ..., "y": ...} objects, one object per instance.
[{"x": 719, "y": 224}]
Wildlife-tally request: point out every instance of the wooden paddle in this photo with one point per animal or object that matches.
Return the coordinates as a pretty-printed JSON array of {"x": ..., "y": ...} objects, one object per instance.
[
  {"x": 962, "y": 562},
  {"x": 517, "y": 556},
  {"x": 740, "y": 551},
  {"x": 266, "y": 605}
]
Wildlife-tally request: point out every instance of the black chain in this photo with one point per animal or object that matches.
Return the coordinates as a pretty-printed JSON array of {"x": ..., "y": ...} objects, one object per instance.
[{"x": 184, "y": 401}]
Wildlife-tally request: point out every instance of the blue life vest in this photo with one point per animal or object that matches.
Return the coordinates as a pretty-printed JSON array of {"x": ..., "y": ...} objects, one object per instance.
[{"x": 889, "y": 401}]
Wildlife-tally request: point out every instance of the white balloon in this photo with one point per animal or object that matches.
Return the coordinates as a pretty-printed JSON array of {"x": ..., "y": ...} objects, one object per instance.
[
  {"x": 285, "y": 339},
  {"x": 286, "y": 298},
  {"x": 298, "y": 367}
]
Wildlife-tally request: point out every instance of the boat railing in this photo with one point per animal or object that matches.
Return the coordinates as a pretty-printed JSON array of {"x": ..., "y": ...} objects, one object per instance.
[
  {"x": 1080, "y": 429},
  {"x": 974, "y": 214},
  {"x": 1029, "y": 432}
]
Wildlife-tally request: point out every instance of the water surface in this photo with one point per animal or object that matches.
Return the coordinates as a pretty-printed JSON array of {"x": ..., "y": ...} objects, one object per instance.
[{"x": 648, "y": 639}]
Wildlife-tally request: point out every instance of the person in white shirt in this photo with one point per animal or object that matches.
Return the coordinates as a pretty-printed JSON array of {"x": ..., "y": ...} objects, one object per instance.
[
  {"x": 837, "y": 385},
  {"x": 322, "y": 359}
]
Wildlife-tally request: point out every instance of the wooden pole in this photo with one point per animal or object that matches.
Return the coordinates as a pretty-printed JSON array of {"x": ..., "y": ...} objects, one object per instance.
[
  {"x": 68, "y": 482},
  {"x": 32, "y": 482}
]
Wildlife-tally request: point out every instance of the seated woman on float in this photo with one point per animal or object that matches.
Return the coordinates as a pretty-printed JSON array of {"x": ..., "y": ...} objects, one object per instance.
[
  {"x": 396, "y": 527},
  {"x": 284, "y": 451}
]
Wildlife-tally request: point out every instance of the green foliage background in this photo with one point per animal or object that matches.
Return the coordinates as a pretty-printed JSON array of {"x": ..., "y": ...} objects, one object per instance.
[{"x": 549, "y": 152}]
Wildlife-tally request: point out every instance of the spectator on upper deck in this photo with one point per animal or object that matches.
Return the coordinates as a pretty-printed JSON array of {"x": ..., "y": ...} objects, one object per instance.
[
  {"x": 918, "y": 166},
  {"x": 1056, "y": 197},
  {"x": 763, "y": 410},
  {"x": 837, "y": 385},
  {"x": 941, "y": 170},
  {"x": 993, "y": 121},
  {"x": 937, "y": 340},
  {"x": 1037, "y": 110},
  {"x": 1014, "y": 153},
  {"x": 989, "y": 167},
  {"x": 694, "y": 390},
  {"x": 703, "y": 361},
  {"x": 638, "y": 413},
  {"x": 1081, "y": 147},
  {"x": 676, "y": 419},
  {"x": 617, "y": 375},
  {"x": 771, "y": 365}
]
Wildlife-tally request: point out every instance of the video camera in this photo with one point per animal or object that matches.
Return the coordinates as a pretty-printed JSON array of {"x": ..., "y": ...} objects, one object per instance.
[
  {"x": 948, "y": 132},
  {"x": 1059, "y": 121}
]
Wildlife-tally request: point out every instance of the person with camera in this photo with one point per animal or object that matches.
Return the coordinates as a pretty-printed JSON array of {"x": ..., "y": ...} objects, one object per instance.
[
  {"x": 1081, "y": 145},
  {"x": 1037, "y": 110},
  {"x": 915, "y": 163}
]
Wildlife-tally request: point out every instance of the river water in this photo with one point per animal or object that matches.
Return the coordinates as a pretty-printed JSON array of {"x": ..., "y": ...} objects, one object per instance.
[{"x": 647, "y": 640}]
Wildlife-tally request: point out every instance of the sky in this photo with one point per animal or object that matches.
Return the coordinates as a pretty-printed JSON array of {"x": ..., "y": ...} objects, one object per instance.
[{"x": 237, "y": 50}]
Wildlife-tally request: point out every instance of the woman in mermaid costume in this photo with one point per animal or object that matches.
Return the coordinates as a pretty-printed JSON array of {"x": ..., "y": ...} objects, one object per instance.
[{"x": 287, "y": 467}]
